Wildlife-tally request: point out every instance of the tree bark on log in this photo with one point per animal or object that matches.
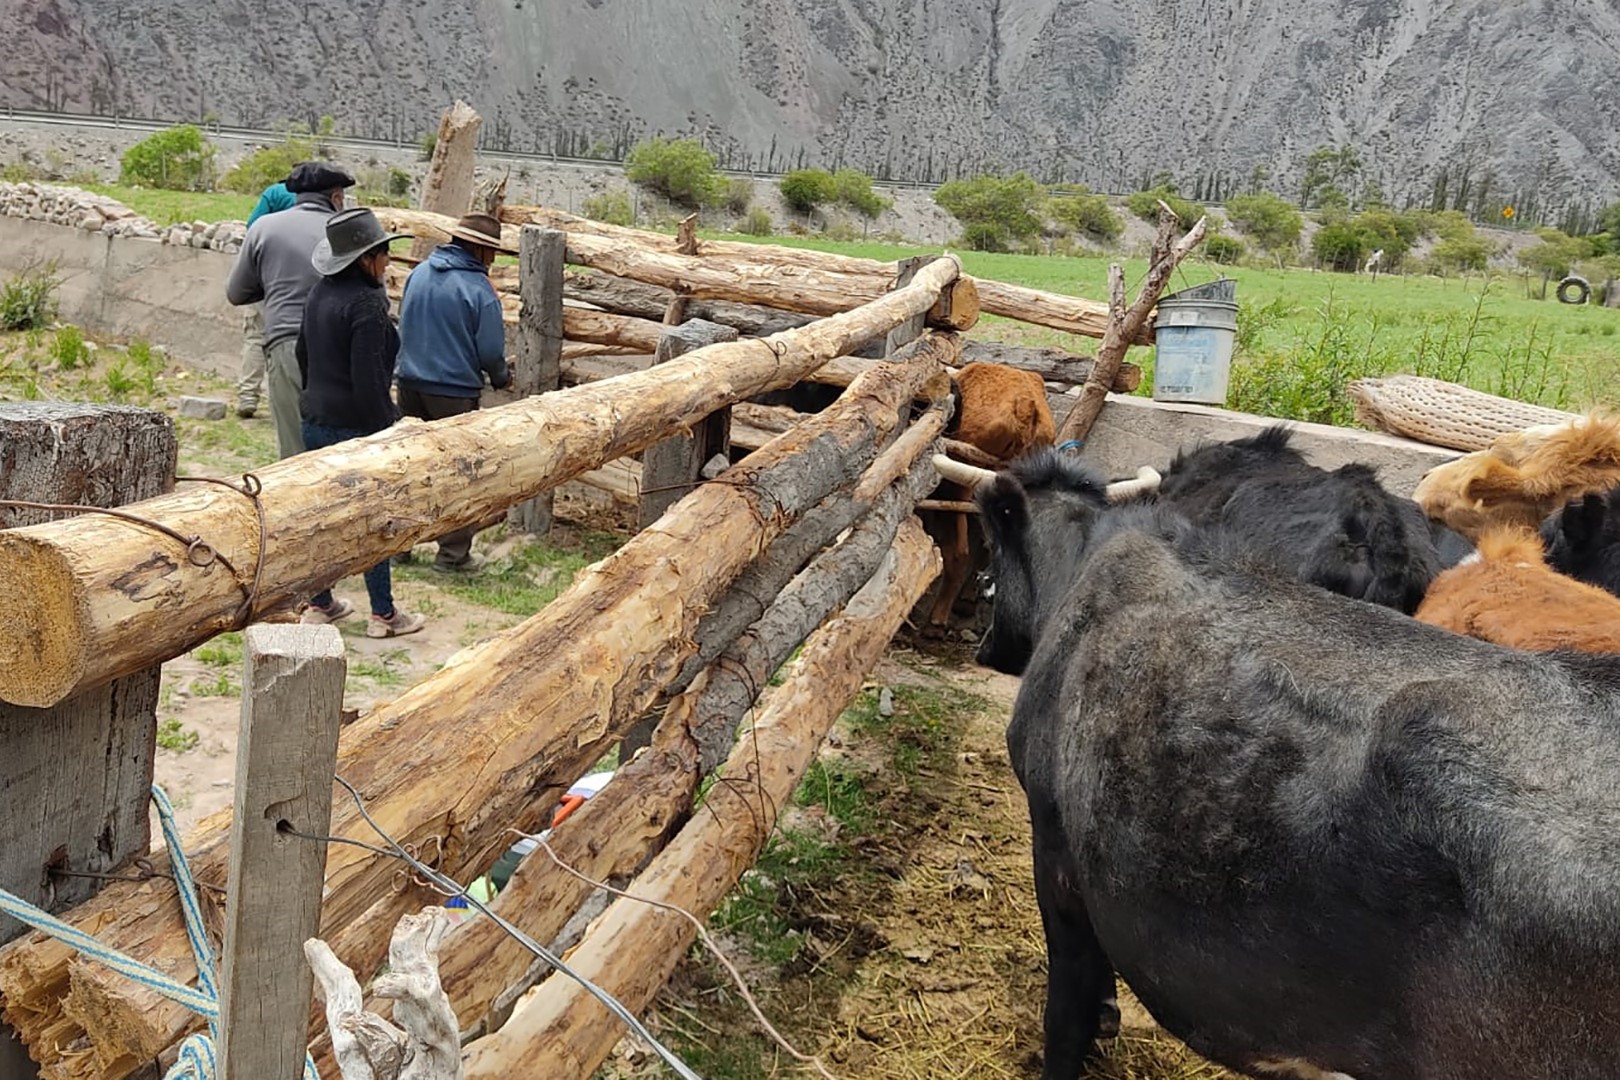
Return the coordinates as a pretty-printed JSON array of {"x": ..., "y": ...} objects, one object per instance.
[
  {"x": 448, "y": 187},
  {"x": 615, "y": 832},
  {"x": 633, "y": 948},
  {"x": 643, "y": 301},
  {"x": 590, "y": 663},
  {"x": 1125, "y": 325},
  {"x": 109, "y": 597}
]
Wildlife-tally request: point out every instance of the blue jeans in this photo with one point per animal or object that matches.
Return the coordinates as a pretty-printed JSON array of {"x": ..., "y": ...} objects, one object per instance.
[{"x": 379, "y": 581}]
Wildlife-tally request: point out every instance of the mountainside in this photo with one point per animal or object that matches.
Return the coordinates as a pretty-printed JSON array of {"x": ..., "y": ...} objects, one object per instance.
[{"x": 1105, "y": 92}]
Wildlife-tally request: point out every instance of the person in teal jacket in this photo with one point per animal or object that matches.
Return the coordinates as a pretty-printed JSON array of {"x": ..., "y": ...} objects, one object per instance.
[
  {"x": 451, "y": 337},
  {"x": 251, "y": 384}
]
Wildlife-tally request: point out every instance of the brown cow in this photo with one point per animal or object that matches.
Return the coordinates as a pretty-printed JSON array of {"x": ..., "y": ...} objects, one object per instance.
[
  {"x": 1508, "y": 595},
  {"x": 1002, "y": 411},
  {"x": 1525, "y": 475}
]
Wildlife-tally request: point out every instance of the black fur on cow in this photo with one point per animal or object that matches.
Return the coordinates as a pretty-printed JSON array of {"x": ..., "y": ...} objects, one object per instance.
[
  {"x": 1340, "y": 530},
  {"x": 1583, "y": 540},
  {"x": 1337, "y": 529},
  {"x": 1317, "y": 838}
]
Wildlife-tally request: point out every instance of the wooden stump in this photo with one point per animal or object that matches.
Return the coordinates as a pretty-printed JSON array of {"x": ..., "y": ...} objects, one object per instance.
[
  {"x": 448, "y": 188},
  {"x": 540, "y": 338},
  {"x": 75, "y": 778}
]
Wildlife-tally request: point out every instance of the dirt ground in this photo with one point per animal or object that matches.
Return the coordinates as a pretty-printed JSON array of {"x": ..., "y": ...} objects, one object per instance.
[{"x": 899, "y": 937}]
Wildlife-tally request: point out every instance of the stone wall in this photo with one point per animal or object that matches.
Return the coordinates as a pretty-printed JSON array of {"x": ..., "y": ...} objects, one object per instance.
[{"x": 85, "y": 210}]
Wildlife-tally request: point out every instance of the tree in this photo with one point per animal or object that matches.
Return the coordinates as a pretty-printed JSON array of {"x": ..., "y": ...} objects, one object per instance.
[
  {"x": 1086, "y": 213},
  {"x": 1555, "y": 255},
  {"x": 994, "y": 210},
  {"x": 1329, "y": 167},
  {"x": 806, "y": 189},
  {"x": 681, "y": 170},
  {"x": 1609, "y": 219},
  {"x": 1340, "y": 246},
  {"x": 1269, "y": 220},
  {"x": 854, "y": 190},
  {"x": 176, "y": 158}
]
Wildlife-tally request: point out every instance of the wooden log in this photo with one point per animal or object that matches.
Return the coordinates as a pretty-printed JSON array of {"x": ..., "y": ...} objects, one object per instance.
[
  {"x": 633, "y": 948},
  {"x": 539, "y": 347},
  {"x": 793, "y": 286},
  {"x": 686, "y": 243},
  {"x": 580, "y": 324},
  {"x": 1037, "y": 306},
  {"x": 588, "y": 664},
  {"x": 292, "y": 699},
  {"x": 949, "y": 505},
  {"x": 427, "y": 1046},
  {"x": 638, "y": 299},
  {"x": 109, "y": 597},
  {"x": 75, "y": 778},
  {"x": 574, "y": 373},
  {"x": 1126, "y": 325},
  {"x": 621, "y": 827},
  {"x": 620, "y": 479},
  {"x": 670, "y": 469},
  {"x": 448, "y": 187}
]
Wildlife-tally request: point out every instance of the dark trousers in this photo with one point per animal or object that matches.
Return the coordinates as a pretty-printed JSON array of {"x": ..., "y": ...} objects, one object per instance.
[
  {"x": 379, "y": 579},
  {"x": 454, "y": 548}
]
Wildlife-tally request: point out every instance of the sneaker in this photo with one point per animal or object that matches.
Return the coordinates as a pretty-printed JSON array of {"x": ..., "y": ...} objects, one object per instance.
[
  {"x": 471, "y": 564},
  {"x": 404, "y": 558},
  {"x": 246, "y": 411},
  {"x": 403, "y": 622},
  {"x": 340, "y": 609}
]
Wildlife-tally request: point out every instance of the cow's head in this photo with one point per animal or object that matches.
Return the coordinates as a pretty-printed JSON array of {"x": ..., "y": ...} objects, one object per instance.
[
  {"x": 1582, "y": 540},
  {"x": 1039, "y": 516}
]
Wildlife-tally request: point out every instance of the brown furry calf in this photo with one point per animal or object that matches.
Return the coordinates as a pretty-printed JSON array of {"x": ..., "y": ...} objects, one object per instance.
[
  {"x": 1002, "y": 411},
  {"x": 1524, "y": 476},
  {"x": 1511, "y": 597}
]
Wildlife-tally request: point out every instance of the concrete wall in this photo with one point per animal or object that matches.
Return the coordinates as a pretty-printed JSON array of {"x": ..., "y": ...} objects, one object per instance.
[{"x": 128, "y": 288}]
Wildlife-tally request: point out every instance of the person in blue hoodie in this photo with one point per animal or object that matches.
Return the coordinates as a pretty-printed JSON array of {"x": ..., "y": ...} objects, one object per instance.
[{"x": 451, "y": 336}]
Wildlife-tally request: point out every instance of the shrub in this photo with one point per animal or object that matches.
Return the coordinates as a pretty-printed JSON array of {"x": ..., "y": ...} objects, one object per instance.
[
  {"x": 806, "y": 189},
  {"x": 269, "y": 164},
  {"x": 427, "y": 144},
  {"x": 1086, "y": 213},
  {"x": 28, "y": 301},
  {"x": 1225, "y": 250},
  {"x": 176, "y": 158},
  {"x": 854, "y": 190},
  {"x": 739, "y": 195},
  {"x": 1339, "y": 245},
  {"x": 18, "y": 172},
  {"x": 1555, "y": 254},
  {"x": 610, "y": 207},
  {"x": 1269, "y": 220},
  {"x": 399, "y": 182},
  {"x": 1145, "y": 205},
  {"x": 1462, "y": 254},
  {"x": 994, "y": 211},
  {"x": 69, "y": 349},
  {"x": 758, "y": 222},
  {"x": 681, "y": 170}
]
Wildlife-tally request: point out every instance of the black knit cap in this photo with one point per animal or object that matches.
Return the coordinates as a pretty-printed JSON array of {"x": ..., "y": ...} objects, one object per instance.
[{"x": 317, "y": 176}]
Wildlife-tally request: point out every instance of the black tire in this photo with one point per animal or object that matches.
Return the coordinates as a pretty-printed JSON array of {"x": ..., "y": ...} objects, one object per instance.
[{"x": 1576, "y": 285}]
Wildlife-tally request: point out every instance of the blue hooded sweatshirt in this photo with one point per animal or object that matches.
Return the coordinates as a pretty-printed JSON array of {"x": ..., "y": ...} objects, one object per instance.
[
  {"x": 271, "y": 199},
  {"x": 450, "y": 327}
]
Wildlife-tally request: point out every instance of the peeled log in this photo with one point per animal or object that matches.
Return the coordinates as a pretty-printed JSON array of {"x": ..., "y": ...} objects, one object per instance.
[
  {"x": 448, "y": 187},
  {"x": 633, "y": 949},
  {"x": 108, "y": 597},
  {"x": 477, "y": 746}
]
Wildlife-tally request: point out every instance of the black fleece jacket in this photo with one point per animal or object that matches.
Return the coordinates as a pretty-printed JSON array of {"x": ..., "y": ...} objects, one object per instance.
[{"x": 346, "y": 353}]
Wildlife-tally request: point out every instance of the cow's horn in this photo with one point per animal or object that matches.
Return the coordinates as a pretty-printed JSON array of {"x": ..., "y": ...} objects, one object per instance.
[
  {"x": 1147, "y": 479},
  {"x": 969, "y": 476}
]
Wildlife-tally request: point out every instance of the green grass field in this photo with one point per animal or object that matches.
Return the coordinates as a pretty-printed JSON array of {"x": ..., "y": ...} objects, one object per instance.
[{"x": 1303, "y": 333}]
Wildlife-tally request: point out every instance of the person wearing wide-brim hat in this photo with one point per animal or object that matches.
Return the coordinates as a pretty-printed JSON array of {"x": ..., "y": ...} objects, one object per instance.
[
  {"x": 452, "y": 336},
  {"x": 346, "y": 354}
]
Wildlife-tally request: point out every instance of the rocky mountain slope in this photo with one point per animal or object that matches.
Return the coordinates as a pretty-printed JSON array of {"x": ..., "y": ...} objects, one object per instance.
[{"x": 1106, "y": 92}]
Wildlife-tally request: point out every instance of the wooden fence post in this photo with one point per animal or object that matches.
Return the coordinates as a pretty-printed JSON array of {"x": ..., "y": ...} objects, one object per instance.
[
  {"x": 448, "y": 186},
  {"x": 540, "y": 337},
  {"x": 912, "y": 328},
  {"x": 75, "y": 778},
  {"x": 292, "y": 703},
  {"x": 670, "y": 468}
]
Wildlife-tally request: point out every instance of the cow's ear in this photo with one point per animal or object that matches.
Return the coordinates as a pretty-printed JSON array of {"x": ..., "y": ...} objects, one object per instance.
[
  {"x": 1583, "y": 521},
  {"x": 1003, "y": 506}
]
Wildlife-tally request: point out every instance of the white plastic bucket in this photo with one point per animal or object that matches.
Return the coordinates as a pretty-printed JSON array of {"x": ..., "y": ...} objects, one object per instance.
[{"x": 1193, "y": 336}]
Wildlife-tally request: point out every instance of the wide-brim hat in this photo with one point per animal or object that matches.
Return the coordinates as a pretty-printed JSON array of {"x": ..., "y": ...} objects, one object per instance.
[
  {"x": 349, "y": 235},
  {"x": 480, "y": 229}
]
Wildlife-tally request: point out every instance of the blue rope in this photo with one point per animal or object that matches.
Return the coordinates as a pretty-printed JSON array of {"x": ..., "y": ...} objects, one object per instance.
[
  {"x": 197, "y": 1060},
  {"x": 1072, "y": 444}
]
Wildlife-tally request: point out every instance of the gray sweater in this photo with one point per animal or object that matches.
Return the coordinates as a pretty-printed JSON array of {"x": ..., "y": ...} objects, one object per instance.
[{"x": 274, "y": 265}]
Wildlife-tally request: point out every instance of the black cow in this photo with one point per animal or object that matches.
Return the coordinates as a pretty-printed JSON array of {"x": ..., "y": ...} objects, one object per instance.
[
  {"x": 1317, "y": 838},
  {"x": 1583, "y": 540}
]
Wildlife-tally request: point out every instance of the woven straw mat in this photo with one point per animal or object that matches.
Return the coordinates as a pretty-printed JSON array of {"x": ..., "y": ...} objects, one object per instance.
[{"x": 1443, "y": 413}]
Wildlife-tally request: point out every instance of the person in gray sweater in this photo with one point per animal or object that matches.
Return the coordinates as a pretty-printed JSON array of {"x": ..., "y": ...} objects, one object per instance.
[{"x": 274, "y": 268}]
